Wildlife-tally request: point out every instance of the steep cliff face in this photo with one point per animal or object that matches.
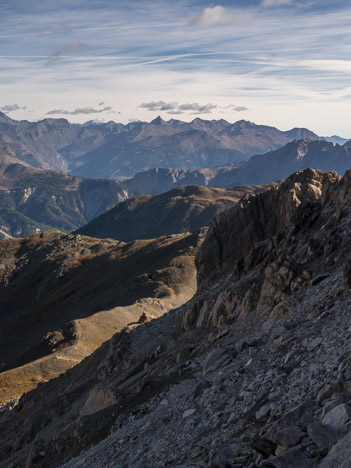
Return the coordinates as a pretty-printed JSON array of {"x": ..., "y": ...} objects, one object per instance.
[
  {"x": 234, "y": 234},
  {"x": 253, "y": 372}
]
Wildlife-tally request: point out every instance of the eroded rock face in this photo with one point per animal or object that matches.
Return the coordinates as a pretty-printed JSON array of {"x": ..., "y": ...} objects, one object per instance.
[
  {"x": 233, "y": 235},
  {"x": 99, "y": 398},
  {"x": 261, "y": 235}
]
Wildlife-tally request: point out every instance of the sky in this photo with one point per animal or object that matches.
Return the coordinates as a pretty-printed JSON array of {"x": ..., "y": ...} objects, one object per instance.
[{"x": 285, "y": 63}]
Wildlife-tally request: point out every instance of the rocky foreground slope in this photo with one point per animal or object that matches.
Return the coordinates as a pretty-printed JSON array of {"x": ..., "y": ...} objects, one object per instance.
[{"x": 255, "y": 371}]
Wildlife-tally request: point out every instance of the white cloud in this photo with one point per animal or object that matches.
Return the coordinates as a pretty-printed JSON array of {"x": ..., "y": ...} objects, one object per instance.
[
  {"x": 174, "y": 108},
  {"x": 12, "y": 108},
  {"x": 81, "y": 110},
  {"x": 220, "y": 15},
  {"x": 156, "y": 106},
  {"x": 276, "y": 3},
  {"x": 196, "y": 108},
  {"x": 59, "y": 28},
  {"x": 343, "y": 66}
]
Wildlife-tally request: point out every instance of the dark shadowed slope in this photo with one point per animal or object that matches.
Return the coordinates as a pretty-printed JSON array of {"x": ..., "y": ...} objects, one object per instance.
[
  {"x": 62, "y": 295},
  {"x": 185, "y": 208}
]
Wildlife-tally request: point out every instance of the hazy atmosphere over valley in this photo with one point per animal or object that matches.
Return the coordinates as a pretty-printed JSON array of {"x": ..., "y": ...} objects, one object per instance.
[{"x": 175, "y": 232}]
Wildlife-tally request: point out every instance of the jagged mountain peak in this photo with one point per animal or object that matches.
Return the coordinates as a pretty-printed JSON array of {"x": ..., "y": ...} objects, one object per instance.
[
  {"x": 6, "y": 119},
  {"x": 158, "y": 121},
  {"x": 119, "y": 151}
]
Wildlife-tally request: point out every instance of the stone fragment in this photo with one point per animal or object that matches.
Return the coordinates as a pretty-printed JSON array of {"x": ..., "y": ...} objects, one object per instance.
[
  {"x": 223, "y": 458},
  {"x": 213, "y": 358},
  {"x": 317, "y": 279},
  {"x": 100, "y": 397},
  {"x": 293, "y": 457},
  {"x": 323, "y": 436},
  {"x": 263, "y": 412},
  {"x": 289, "y": 436},
  {"x": 347, "y": 276},
  {"x": 188, "y": 413},
  {"x": 264, "y": 446},
  {"x": 339, "y": 455},
  {"x": 327, "y": 391},
  {"x": 338, "y": 416}
]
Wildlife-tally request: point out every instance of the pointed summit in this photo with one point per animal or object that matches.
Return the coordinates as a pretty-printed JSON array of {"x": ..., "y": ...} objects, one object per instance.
[
  {"x": 158, "y": 121},
  {"x": 5, "y": 119}
]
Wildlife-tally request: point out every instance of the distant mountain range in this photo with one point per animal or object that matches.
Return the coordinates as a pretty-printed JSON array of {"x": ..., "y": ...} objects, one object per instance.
[
  {"x": 336, "y": 139},
  {"x": 32, "y": 200},
  {"x": 260, "y": 169},
  {"x": 113, "y": 150},
  {"x": 182, "y": 209},
  {"x": 34, "y": 196}
]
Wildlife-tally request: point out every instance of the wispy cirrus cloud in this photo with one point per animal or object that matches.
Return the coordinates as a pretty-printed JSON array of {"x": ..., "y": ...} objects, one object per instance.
[
  {"x": 12, "y": 108},
  {"x": 72, "y": 47},
  {"x": 52, "y": 29},
  {"x": 194, "y": 108},
  {"x": 289, "y": 65},
  {"x": 276, "y": 3},
  {"x": 218, "y": 15}
]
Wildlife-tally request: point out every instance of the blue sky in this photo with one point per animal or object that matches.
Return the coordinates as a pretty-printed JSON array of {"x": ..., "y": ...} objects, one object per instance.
[{"x": 285, "y": 63}]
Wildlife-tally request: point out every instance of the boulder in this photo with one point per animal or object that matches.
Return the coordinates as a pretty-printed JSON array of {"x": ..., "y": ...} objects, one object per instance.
[
  {"x": 338, "y": 416},
  {"x": 100, "y": 397},
  {"x": 340, "y": 455},
  {"x": 323, "y": 436},
  {"x": 289, "y": 436}
]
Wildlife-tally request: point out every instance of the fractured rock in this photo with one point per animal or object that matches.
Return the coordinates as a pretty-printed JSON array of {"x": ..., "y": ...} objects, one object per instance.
[
  {"x": 289, "y": 436},
  {"x": 323, "y": 436},
  {"x": 100, "y": 397}
]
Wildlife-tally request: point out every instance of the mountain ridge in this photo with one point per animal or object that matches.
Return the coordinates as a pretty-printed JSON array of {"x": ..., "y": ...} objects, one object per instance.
[
  {"x": 184, "y": 208},
  {"x": 33, "y": 200},
  {"x": 259, "y": 169},
  {"x": 114, "y": 150}
]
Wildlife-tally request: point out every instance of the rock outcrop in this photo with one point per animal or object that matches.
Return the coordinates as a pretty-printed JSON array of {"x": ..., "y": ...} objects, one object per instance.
[{"x": 235, "y": 235}]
